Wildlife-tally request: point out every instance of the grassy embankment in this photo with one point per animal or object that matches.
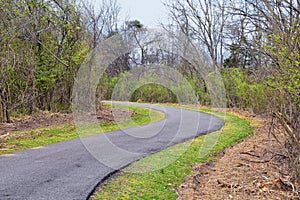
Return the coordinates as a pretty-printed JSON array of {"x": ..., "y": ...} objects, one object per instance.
[
  {"x": 17, "y": 141},
  {"x": 160, "y": 184}
]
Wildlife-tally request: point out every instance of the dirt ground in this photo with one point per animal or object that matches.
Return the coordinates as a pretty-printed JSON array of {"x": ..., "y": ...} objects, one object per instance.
[
  {"x": 253, "y": 169},
  {"x": 46, "y": 119}
]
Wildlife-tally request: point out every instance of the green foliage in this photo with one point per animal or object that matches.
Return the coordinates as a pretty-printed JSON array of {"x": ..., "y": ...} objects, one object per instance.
[
  {"x": 125, "y": 87},
  {"x": 200, "y": 88},
  {"x": 134, "y": 25},
  {"x": 43, "y": 44},
  {"x": 154, "y": 93},
  {"x": 286, "y": 75},
  {"x": 285, "y": 79},
  {"x": 240, "y": 57},
  {"x": 106, "y": 86},
  {"x": 245, "y": 91}
]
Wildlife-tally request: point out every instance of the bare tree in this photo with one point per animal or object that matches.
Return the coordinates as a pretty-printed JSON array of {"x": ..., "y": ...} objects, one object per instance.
[
  {"x": 276, "y": 23},
  {"x": 103, "y": 22},
  {"x": 204, "y": 21}
]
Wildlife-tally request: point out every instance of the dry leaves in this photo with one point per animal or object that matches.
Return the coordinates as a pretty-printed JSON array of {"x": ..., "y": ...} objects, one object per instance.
[{"x": 253, "y": 169}]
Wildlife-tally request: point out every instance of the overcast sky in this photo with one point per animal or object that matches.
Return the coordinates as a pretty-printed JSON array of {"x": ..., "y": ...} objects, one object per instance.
[{"x": 149, "y": 12}]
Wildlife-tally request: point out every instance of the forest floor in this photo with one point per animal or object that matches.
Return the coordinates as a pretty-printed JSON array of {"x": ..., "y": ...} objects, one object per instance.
[
  {"x": 253, "y": 169},
  {"x": 46, "y": 119}
]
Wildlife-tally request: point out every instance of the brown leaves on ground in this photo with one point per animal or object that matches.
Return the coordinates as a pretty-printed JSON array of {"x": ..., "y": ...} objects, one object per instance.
[
  {"x": 254, "y": 169},
  {"x": 46, "y": 119},
  {"x": 38, "y": 120}
]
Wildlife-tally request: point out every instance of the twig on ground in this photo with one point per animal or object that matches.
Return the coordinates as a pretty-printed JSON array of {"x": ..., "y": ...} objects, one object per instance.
[{"x": 250, "y": 154}]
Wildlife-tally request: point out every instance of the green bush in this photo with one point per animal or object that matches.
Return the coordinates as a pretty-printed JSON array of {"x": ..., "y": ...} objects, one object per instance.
[
  {"x": 245, "y": 91},
  {"x": 154, "y": 93}
]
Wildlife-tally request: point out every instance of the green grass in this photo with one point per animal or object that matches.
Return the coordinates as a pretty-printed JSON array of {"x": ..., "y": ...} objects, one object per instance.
[
  {"x": 18, "y": 141},
  {"x": 169, "y": 169}
]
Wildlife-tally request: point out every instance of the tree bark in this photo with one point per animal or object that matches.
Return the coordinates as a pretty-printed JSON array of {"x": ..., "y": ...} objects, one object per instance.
[{"x": 5, "y": 111}]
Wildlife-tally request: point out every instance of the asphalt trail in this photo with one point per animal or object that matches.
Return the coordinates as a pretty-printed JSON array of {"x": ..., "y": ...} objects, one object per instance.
[{"x": 72, "y": 169}]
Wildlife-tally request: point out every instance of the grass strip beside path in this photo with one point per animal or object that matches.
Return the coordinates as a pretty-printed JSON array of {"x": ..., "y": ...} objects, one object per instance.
[
  {"x": 160, "y": 184},
  {"x": 17, "y": 141}
]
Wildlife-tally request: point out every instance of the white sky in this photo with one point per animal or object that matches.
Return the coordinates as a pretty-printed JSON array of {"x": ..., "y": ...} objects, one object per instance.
[{"x": 148, "y": 12}]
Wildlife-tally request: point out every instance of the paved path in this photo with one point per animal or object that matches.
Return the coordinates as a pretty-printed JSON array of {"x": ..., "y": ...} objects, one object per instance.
[{"x": 67, "y": 170}]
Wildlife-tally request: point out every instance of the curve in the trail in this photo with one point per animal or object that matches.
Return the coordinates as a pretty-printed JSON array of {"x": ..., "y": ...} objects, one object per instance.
[{"x": 72, "y": 169}]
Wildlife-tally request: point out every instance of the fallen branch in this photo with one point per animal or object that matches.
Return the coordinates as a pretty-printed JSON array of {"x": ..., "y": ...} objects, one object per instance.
[
  {"x": 227, "y": 185},
  {"x": 255, "y": 161},
  {"x": 250, "y": 154},
  {"x": 280, "y": 184}
]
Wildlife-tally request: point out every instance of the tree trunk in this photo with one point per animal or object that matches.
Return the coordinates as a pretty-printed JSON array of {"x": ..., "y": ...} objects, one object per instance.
[
  {"x": 1, "y": 111},
  {"x": 4, "y": 111}
]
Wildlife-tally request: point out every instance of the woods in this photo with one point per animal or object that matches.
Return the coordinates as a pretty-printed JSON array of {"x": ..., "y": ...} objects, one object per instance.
[
  {"x": 255, "y": 45},
  {"x": 43, "y": 44},
  {"x": 261, "y": 72}
]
